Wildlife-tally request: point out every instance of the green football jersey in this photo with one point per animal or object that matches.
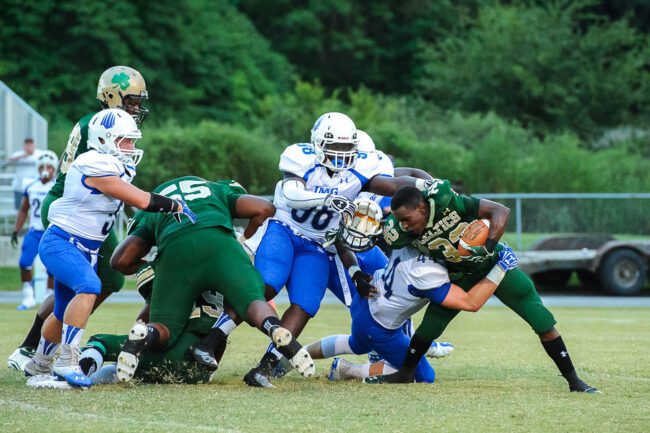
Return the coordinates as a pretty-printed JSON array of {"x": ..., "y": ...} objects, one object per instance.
[
  {"x": 450, "y": 214},
  {"x": 212, "y": 202},
  {"x": 77, "y": 144}
]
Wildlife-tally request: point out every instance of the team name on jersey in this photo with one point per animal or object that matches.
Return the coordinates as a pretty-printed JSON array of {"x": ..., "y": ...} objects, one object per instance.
[
  {"x": 441, "y": 226},
  {"x": 326, "y": 190}
]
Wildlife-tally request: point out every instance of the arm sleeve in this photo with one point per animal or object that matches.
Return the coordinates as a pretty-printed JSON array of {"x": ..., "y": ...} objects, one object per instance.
[{"x": 297, "y": 197}]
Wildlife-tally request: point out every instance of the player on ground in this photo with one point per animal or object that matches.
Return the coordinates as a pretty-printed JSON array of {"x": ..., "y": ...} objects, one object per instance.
[
  {"x": 432, "y": 222},
  {"x": 409, "y": 282},
  {"x": 321, "y": 179},
  {"x": 118, "y": 87},
  {"x": 34, "y": 191},
  {"x": 194, "y": 258},
  {"x": 97, "y": 185}
]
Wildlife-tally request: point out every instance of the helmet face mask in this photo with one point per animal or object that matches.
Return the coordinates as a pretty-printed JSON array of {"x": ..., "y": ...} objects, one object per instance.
[
  {"x": 334, "y": 137},
  {"x": 361, "y": 232},
  {"x": 123, "y": 87},
  {"x": 115, "y": 132},
  {"x": 47, "y": 159}
]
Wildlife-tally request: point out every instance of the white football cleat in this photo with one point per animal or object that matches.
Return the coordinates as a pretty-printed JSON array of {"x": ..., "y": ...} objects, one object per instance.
[
  {"x": 301, "y": 361},
  {"x": 439, "y": 350},
  {"x": 67, "y": 367},
  {"x": 47, "y": 381},
  {"x": 39, "y": 364},
  {"x": 129, "y": 357},
  {"x": 19, "y": 358}
]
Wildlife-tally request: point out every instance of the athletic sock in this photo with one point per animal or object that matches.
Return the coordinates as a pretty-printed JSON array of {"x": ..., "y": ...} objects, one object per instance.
[
  {"x": 34, "y": 334},
  {"x": 557, "y": 351},
  {"x": 91, "y": 360},
  {"x": 225, "y": 324},
  {"x": 417, "y": 348},
  {"x": 212, "y": 339},
  {"x": 269, "y": 325},
  {"x": 46, "y": 348},
  {"x": 71, "y": 335}
]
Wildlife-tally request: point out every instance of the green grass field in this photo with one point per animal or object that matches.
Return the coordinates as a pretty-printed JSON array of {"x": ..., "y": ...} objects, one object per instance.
[{"x": 498, "y": 379}]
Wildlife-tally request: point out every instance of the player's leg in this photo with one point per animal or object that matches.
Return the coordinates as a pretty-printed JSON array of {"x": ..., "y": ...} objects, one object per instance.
[
  {"x": 435, "y": 320},
  {"x": 518, "y": 292},
  {"x": 274, "y": 260},
  {"x": 99, "y": 349},
  {"x": 172, "y": 300},
  {"x": 112, "y": 280},
  {"x": 306, "y": 288},
  {"x": 69, "y": 259},
  {"x": 232, "y": 274},
  {"x": 29, "y": 250}
]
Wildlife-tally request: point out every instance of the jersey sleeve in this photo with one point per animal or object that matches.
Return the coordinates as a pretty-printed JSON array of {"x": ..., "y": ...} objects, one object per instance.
[
  {"x": 25, "y": 186},
  {"x": 385, "y": 165},
  {"x": 298, "y": 159},
  {"x": 429, "y": 280},
  {"x": 140, "y": 225},
  {"x": 368, "y": 166},
  {"x": 467, "y": 206},
  {"x": 95, "y": 164},
  {"x": 233, "y": 191}
]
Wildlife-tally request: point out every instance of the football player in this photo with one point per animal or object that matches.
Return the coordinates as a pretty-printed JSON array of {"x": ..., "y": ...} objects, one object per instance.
[
  {"x": 407, "y": 284},
  {"x": 118, "y": 87},
  {"x": 194, "y": 257},
  {"x": 432, "y": 220},
  {"x": 321, "y": 179},
  {"x": 34, "y": 191},
  {"x": 97, "y": 185}
]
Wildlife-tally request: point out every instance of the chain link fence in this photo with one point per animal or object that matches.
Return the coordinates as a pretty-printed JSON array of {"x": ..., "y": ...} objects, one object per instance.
[{"x": 534, "y": 216}]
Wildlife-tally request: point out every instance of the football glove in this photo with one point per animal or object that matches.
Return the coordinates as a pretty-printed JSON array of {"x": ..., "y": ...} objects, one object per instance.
[
  {"x": 507, "y": 259},
  {"x": 14, "y": 239},
  {"x": 185, "y": 210},
  {"x": 364, "y": 287},
  {"x": 330, "y": 237},
  {"x": 486, "y": 250},
  {"x": 341, "y": 205}
]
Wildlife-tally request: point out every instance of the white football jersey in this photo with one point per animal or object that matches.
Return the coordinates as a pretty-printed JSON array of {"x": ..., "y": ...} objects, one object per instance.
[
  {"x": 300, "y": 160},
  {"x": 83, "y": 210},
  {"x": 35, "y": 191},
  {"x": 407, "y": 283},
  {"x": 386, "y": 169}
]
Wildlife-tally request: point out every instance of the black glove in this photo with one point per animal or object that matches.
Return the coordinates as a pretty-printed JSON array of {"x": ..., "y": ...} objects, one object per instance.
[
  {"x": 364, "y": 287},
  {"x": 14, "y": 239}
]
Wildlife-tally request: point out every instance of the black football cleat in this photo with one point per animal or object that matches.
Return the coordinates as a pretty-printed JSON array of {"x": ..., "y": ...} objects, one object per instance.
[{"x": 581, "y": 386}]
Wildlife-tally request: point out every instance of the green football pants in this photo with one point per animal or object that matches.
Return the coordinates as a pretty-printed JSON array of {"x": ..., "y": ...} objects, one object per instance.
[{"x": 200, "y": 260}]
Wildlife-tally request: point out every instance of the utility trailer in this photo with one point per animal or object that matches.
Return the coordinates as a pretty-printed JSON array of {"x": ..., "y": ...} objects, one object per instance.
[{"x": 616, "y": 267}]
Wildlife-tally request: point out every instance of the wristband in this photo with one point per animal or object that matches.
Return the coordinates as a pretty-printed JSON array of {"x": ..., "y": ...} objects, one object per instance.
[
  {"x": 353, "y": 270},
  {"x": 496, "y": 275},
  {"x": 421, "y": 184},
  {"x": 160, "y": 203}
]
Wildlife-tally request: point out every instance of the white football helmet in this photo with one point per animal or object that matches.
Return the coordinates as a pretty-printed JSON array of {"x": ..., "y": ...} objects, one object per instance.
[
  {"x": 334, "y": 137},
  {"x": 364, "y": 229},
  {"x": 48, "y": 158},
  {"x": 108, "y": 129},
  {"x": 366, "y": 145}
]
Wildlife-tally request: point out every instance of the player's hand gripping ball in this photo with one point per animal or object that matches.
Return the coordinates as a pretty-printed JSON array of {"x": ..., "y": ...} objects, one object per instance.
[{"x": 472, "y": 239}]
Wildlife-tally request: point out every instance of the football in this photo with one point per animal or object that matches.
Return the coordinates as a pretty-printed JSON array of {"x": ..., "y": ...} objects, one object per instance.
[{"x": 475, "y": 234}]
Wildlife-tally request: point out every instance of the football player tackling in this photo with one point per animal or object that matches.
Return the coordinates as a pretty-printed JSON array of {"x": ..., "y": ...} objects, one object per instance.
[{"x": 432, "y": 222}]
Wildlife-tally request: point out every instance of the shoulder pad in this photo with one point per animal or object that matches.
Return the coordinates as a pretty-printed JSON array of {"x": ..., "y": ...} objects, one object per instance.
[
  {"x": 368, "y": 165},
  {"x": 385, "y": 164},
  {"x": 298, "y": 159},
  {"x": 27, "y": 182},
  {"x": 233, "y": 185},
  {"x": 440, "y": 193},
  {"x": 95, "y": 164}
]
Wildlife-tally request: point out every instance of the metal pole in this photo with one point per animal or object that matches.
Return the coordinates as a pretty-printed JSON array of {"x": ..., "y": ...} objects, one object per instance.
[{"x": 518, "y": 216}]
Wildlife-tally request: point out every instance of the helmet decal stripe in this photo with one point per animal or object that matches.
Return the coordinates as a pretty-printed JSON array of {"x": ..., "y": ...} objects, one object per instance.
[{"x": 108, "y": 121}]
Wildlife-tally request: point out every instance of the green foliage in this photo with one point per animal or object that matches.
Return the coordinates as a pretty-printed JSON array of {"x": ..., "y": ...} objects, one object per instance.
[
  {"x": 201, "y": 59},
  {"x": 550, "y": 66},
  {"x": 209, "y": 150}
]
